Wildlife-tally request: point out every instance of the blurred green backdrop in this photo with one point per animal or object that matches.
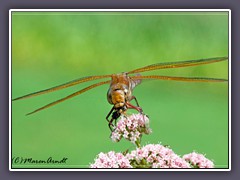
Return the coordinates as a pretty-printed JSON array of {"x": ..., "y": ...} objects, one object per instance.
[{"x": 50, "y": 48}]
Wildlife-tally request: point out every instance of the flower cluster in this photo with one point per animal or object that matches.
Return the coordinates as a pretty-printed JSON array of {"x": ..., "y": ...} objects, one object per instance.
[
  {"x": 131, "y": 128},
  {"x": 151, "y": 156},
  {"x": 156, "y": 156},
  {"x": 198, "y": 160},
  {"x": 111, "y": 160}
]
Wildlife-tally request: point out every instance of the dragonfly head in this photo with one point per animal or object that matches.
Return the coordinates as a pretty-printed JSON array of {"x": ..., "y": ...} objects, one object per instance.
[{"x": 118, "y": 95}]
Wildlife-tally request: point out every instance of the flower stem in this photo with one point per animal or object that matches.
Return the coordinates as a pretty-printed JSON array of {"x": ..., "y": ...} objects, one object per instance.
[{"x": 137, "y": 142}]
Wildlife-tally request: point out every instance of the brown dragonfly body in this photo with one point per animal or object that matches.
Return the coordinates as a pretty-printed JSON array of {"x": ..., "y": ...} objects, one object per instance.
[
  {"x": 122, "y": 85},
  {"x": 120, "y": 94}
]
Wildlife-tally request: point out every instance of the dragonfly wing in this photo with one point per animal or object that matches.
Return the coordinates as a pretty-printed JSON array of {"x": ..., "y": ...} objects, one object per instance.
[
  {"x": 62, "y": 86},
  {"x": 178, "y": 64},
  {"x": 135, "y": 81},
  {"x": 189, "y": 79},
  {"x": 70, "y": 96}
]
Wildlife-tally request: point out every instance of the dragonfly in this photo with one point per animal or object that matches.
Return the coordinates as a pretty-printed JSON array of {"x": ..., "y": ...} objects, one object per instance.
[{"x": 120, "y": 92}]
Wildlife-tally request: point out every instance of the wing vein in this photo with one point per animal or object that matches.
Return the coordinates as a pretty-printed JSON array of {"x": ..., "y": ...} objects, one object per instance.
[
  {"x": 69, "y": 96},
  {"x": 178, "y": 64},
  {"x": 62, "y": 86},
  {"x": 190, "y": 79}
]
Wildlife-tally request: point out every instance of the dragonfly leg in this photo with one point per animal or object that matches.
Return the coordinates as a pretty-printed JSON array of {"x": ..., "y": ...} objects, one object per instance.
[
  {"x": 115, "y": 115},
  {"x": 130, "y": 106},
  {"x": 110, "y": 121},
  {"x": 110, "y": 125},
  {"x": 138, "y": 108},
  {"x": 133, "y": 97},
  {"x": 109, "y": 113}
]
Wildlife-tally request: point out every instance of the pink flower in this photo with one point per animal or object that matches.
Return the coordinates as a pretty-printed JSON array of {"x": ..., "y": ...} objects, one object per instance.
[
  {"x": 131, "y": 128},
  {"x": 156, "y": 156},
  {"x": 151, "y": 156},
  {"x": 198, "y": 160},
  {"x": 116, "y": 136},
  {"x": 111, "y": 160}
]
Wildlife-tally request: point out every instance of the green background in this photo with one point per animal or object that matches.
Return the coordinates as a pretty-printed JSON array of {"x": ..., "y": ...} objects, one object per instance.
[{"x": 50, "y": 48}]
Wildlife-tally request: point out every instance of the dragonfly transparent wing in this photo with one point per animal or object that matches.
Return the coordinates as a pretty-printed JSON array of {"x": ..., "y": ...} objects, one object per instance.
[
  {"x": 178, "y": 64},
  {"x": 189, "y": 79},
  {"x": 62, "y": 86},
  {"x": 70, "y": 96}
]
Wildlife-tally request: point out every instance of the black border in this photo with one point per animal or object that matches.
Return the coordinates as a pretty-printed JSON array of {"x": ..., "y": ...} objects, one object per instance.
[
  {"x": 234, "y": 5},
  {"x": 82, "y": 169}
]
